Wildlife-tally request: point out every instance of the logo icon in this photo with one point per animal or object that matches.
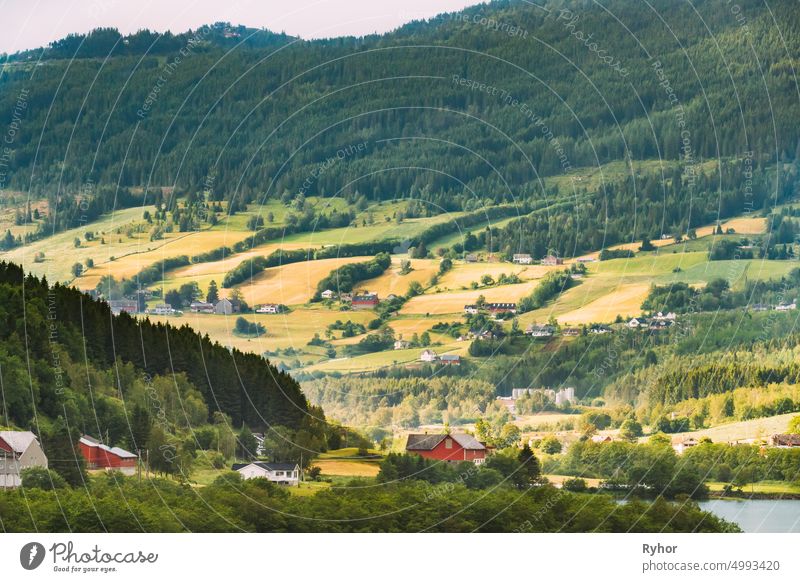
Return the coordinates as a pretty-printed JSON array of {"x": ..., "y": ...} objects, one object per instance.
[{"x": 31, "y": 555}]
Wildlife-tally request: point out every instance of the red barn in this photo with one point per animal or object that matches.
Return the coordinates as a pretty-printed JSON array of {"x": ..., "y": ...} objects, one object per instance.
[
  {"x": 100, "y": 456},
  {"x": 366, "y": 301},
  {"x": 447, "y": 447}
]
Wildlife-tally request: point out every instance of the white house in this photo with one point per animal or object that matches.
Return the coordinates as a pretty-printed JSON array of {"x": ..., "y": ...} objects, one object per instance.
[
  {"x": 401, "y": 344},
  {"x": 162, "y": 309},
  {"x": 536, "y": 330},
  {"x": 328, "y": 294},
  {"x": 471, "y": 309},
  {"x": 786, "y": 306},
  {"x": 637, "y": 322},
  {"x": 522, "y": 259},
  {"x": 18, "y": 450},
  {"x": 565, "y": 396},
  {"x": 269, "y": 308},
  {"x": 687, "y": 443},
  {"x": 281, "y": 473},
  {"x": 428, "y": 356}
]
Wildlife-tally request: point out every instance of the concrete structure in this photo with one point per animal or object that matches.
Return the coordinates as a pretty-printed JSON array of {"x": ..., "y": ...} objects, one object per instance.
[
  {"x": 281, "y": 473},
  {"x": 18, "y": 450}
]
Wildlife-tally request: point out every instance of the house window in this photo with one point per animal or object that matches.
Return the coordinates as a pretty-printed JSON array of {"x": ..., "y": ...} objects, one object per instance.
[{"x": 448, "y": 444}]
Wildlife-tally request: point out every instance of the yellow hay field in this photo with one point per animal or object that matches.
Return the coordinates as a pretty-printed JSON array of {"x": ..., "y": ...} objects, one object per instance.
[
  {"x": 439, "y": 303},
  {"x": 626, "y": 301},
  {"x": 393, "y": 282},
  {"x": 292, "y": 284},
  {"x": 462, "y": 274}
]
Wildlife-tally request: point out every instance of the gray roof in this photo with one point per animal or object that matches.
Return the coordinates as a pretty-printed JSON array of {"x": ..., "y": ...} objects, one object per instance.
[
  {"x": 121, "y": 453},
  {"x": 18, "y": 440},
  {"x": 427, "y": 442}
]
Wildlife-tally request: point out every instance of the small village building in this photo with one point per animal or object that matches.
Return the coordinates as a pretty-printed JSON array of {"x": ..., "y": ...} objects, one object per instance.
[
  {"x": 201, "y": 307},
  {"x": 123, "y": 306},
  {"x": 600, "y": 329},
  {"x": 471, "y": 258},
  {"x": 784, "y": 441},
  {"x": 100, "y": 456},
  {"x": 454, "y": 447},
  {"x": 471, "y": 309},
  {"x": 450, "y": 360},
  {"x": 786, "y": 306},
  {"x": 226, "y": 307},
  {"x": 681, "y": 446},
  {"x": 571, "y": 331},
  {"x": 328, "y": 294},
  {"x": 537, "y": 330},
  {"x": 601, "y": 438},
  {"x": 522, "y": 259},
  {"x": 402, "y": 344},
  {"x": 280, "y": 473},
  {"x": 19, "y": 449},
  {"x": 501, "y": 307},
  {"x": 552, "y": 261},
  {"x": 162, "y": 309},
  {"x": 365, "y": 301},
  {"x": 637, "y": 322},
  {"x": 428, "y": 356},
  {"x": 271, "y": 308}
]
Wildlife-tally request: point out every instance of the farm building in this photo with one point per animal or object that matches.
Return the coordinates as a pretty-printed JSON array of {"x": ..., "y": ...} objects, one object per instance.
[
  {"x": 687, "y": 443},
  {"x": 281, "y": 473},
  {"x": 552, "y": 261},
  {"x": 227, "y": 306},
  {"x": 428, "y": 356},
  {"x": 201, "y": 307},
  {"x": 471, "y": 258},
  {"x": 571, "y": 331},
  {"x": 401, "y": 344},
  {"x": 447, "y": 447},
  {"x": 522, "y": 259},
  {"x": 365, "y": 301},
  {"x": 162, "y": 309},
  {"x": 100, "y": 456},
  {"x": 536, "y": 330},
  {"x": 450, "y": 360},
  {"x": 501, "y": 307},
  {"x": 471, "y": 309},
  {"x": 123, "y": 305},
  {"x": 328, "y": 294},
  {"x": 784, "y": 441},
  {"x": 270, "y": 308},
  {"x": 19, "y": 449}
]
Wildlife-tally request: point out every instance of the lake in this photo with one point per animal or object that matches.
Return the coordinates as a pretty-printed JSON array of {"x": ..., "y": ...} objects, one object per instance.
[{"x": 758, "y": 515}]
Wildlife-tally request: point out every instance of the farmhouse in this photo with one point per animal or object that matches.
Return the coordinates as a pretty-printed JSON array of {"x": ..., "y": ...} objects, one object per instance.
[
  {"x": 100, "y": 456},
  {"x": 201, "y": 307},
  {"x": 571, "y": 331},
  {"x": 471, "y": 258},
  {"x": 123, "y": 305},
  {"x": 687, "y": 443},
  {"x": 455, "y": 448},
  {"x": 536, "y": 330},
  {"x": 18, "y": 450},
  {"x": 759, "y": 307},
  {"x": 162, "y": 309},
  {"x": 428, "y": 356},
  {"x": 269, "y": 308},
  {"x": 786, "y": 306},
  {"x": 401, "y": 344},
  {"x": 328, "y": 294},
  {"x": 600, "y": 329},
  {"x": 661, "y": 324},
  {"x": 552, "y": 261},
  {"x": 522, "y": 259},
  {"x": 281, "y": 473},
  {"x": 565, "y": 396},
  {"x": 471, "y": 309},
  {"x": 450, "y": 360},
  {"x": 665, "y": 316},
  {"x": 637, "y": 322},
  {"x": 365, "y": 301},
  {"x": 784, "y": 441},
  {"x": 601, "y": 438}
]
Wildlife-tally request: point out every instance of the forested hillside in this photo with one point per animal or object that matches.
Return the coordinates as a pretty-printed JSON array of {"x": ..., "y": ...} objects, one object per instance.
[
  {"x": 65, "y": 356},
  {"x": 452, "y": 111}
]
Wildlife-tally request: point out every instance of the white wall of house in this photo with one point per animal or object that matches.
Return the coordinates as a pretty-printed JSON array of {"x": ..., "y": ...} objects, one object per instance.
[{"x": 254, "y": 471}]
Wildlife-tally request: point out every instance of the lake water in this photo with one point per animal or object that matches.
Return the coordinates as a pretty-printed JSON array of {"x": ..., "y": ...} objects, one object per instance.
[{"x": 758, "y": 515}]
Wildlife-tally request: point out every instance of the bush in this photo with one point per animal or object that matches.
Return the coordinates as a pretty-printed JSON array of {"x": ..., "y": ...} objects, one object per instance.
[{"x": 41, "y": 478}]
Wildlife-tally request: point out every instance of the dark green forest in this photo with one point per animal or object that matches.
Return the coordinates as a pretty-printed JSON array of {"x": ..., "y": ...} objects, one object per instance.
[{"x": 446, "y": 111}]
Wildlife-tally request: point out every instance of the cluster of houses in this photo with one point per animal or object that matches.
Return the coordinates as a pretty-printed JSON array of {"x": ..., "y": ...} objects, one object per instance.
[
  {"x": 431, "y": 357},
  {"x": 526, "y": 259},
  {"x": 493, "y": 308},
  {"x": 20, "y": 449},
  {"x": 657, "y": 322},
  {"x": 365, "y": 300}
]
